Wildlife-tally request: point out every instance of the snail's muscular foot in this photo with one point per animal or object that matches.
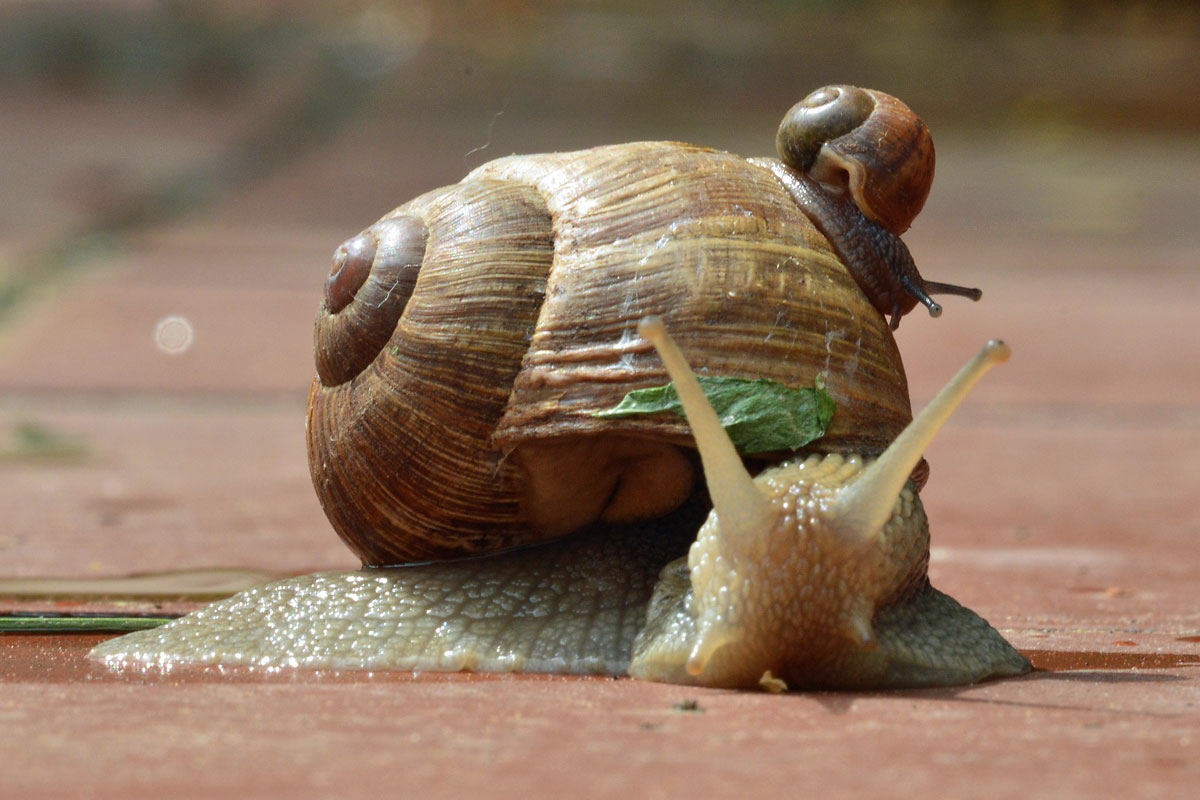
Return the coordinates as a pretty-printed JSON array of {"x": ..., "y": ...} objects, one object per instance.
[{"x": 925, "y": 640}]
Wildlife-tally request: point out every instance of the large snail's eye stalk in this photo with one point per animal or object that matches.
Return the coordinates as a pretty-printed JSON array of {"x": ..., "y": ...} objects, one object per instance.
[
  {"x": 860, "y": 511},
  {"x": 739, "y": 504}
]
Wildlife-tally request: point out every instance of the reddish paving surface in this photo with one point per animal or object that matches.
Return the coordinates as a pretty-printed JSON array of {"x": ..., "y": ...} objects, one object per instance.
[
  {"x": 1062, "y": 499},
  {"x": 1098, "y": 730}
]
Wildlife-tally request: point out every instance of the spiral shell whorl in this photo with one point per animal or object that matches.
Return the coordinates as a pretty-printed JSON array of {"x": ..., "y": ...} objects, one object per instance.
[
  {"x": 401, "y": 452},
  {"x": 825, "y": 115},
  {"x": 866, "y": 141},
  {"x": 371, "y": 281}
]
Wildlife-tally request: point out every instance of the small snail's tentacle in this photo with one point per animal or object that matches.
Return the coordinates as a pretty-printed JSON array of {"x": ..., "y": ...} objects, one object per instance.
[
  {"x": 861, "y": 509},
  {"x": 904, "y": 272},
  {"x": 371, "y": 281},
  {"x": 918, "y": 291},
  {"x": 936, "y": 287}
]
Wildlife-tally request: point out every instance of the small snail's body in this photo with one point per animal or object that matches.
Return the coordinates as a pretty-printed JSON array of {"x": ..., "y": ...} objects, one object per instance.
[{"x": 466, "y": 341}]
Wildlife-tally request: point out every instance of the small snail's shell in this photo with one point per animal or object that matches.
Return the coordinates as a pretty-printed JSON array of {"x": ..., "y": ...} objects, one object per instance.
[
  {"x": 868, "y": 143},
  {"x": 434, "y": 416}
]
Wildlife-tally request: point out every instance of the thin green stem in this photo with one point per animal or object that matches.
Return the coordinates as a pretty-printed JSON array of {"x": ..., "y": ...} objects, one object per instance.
[{"x": 78, "y": 624}]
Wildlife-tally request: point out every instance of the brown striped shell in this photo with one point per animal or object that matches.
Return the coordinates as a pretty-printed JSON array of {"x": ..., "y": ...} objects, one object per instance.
[
  {"x": 467, "y": 338},
  {"x": 866, "y": 142}
]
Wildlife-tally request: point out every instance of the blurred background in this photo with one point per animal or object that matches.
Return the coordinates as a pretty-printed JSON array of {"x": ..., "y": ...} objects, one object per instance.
[{"x": 174, "y": 177}]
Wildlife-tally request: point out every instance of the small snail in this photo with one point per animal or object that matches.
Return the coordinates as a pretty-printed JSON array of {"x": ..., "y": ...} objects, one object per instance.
[
  {"x": 466, "y": 342},
  {"x": 860, "y": 163}
]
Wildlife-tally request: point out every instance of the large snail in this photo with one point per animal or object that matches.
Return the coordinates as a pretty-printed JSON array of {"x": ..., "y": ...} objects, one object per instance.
[{"x": 466, "y": 342}]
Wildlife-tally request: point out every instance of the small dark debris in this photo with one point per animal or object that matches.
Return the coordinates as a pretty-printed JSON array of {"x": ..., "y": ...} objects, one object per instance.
[{"x": 690, "y": 705}]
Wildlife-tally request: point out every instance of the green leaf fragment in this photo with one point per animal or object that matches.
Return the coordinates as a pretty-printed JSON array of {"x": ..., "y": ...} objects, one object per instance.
[{"x": 760, "y": 416}]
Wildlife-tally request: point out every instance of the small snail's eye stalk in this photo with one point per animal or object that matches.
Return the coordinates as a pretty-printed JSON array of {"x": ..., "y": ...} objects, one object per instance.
[
  {"x": 922, "y": 289},
  {"x": 914, "y": 288}
]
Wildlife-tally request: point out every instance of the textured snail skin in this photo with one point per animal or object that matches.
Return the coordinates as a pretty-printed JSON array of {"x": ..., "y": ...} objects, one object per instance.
[{"x": 570, "y": 606}]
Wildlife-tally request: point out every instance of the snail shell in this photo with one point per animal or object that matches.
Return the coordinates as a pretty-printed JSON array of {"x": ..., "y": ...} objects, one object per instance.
[
  {"x": 864, "y": 143},
  {"x": 467, "y": 338}
]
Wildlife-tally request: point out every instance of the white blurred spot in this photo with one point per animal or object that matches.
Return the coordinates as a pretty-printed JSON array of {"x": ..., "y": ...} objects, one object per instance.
[{"x": 173, "y": 335}]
